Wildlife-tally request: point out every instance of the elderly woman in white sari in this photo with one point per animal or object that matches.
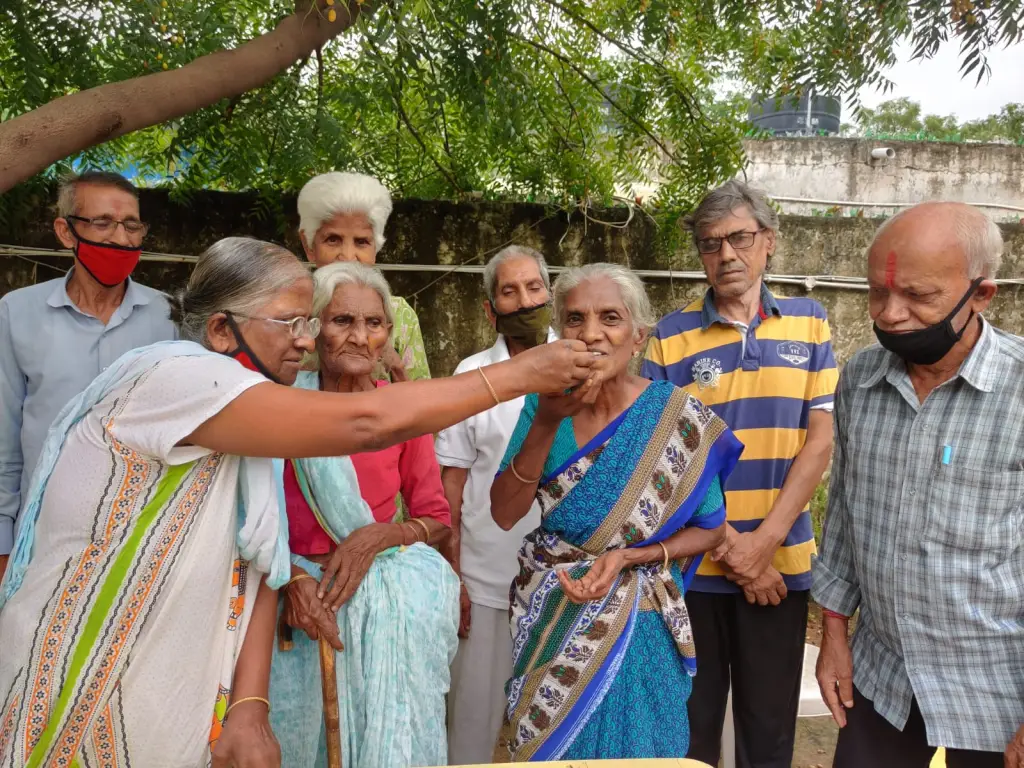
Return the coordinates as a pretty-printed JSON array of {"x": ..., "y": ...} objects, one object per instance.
[
  {"x": 398, "y": 609},
  {"x": 137, "y": 613}
]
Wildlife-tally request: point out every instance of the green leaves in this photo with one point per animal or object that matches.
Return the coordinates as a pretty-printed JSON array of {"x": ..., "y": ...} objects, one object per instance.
[{"x": 570, "y": 101}]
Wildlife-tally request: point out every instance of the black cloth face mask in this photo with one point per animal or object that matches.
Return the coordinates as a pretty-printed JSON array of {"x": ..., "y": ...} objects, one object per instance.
[
  {"x": 927, "y": 346},
  {"x": 529, "y": 326}
]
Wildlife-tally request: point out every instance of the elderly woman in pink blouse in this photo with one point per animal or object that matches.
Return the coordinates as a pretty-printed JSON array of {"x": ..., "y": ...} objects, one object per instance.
[{"x": 394, "y": 597}]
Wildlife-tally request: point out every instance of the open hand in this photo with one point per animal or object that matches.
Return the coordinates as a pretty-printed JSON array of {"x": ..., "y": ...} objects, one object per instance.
[
  {"x": 350, "y": 563},
  {"x": 597, "y": 581},
  {"x": 551, "y": 409},
  {"x": 835, "y": 670},
  {"x": 465, "y": 611},
  {"x": 394, "y": 363},
  {"x": 247, "y": 740},
  {"x": 303, "y": 610},
  {"x": 1014, "y": 756}
]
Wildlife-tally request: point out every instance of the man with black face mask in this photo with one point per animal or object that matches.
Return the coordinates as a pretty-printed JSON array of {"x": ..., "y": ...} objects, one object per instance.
[
  {"x": 518, "y": 291},
  {"x": 925, "y": 525},
  {"x": 56, "y": 337}
]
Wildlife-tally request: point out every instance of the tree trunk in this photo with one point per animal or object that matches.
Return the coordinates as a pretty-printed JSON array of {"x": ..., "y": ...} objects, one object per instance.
[{"x": 32, "y": 142}]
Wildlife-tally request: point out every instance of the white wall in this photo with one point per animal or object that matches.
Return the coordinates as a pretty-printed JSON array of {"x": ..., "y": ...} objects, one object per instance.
[{"x": 831, "y": 170}]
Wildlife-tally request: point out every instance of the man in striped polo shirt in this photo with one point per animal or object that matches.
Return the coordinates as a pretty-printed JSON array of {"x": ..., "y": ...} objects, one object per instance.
[{"x": 765, "y": 365}]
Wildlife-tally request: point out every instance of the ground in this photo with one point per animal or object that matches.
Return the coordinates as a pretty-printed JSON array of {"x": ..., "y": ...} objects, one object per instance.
[
  {"x": 815, "y": 736},
  {"x": 815, "y": 742}
]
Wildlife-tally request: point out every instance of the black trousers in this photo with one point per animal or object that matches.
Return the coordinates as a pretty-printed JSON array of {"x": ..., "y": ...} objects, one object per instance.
[
  {"x": 761, "y": 650},
  {"x": 870, "y": 740}
]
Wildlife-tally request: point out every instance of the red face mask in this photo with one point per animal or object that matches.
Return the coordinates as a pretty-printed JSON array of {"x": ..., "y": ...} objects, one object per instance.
[
  {"x": 109, "y": 264},
  {"x": 244, "y": 354}
]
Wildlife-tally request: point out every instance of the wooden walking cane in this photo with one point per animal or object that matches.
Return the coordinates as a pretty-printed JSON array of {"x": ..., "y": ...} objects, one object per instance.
[{"x": 332, "y": 712}]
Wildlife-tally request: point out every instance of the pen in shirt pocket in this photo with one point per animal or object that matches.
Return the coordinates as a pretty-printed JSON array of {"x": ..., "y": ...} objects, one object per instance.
[{"x": 947, "y": 455}]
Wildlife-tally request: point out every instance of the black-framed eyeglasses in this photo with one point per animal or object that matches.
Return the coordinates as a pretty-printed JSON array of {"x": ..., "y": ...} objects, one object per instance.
[
  {"x": 107, "y": 226},
  {"x": 297, "y": 326},
  {"x": 739, "y": 240}
]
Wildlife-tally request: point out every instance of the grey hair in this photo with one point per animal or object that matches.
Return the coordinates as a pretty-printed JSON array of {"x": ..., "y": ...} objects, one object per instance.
[
  {"x": 238, "y": 275},
  {"x": 512, "y": 252},
  {"x": 67, "y": 203},
  {"x": 327, "y": 280},
  {"x": 325, "y": 196},
  {"x": 724, "y": 201},
  {"x": 979, "y": 236},
  {"x": 631, "y": 288}
]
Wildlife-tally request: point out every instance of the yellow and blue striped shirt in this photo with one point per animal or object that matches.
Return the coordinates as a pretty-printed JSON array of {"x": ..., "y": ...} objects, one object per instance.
[{"x": 763, "y": 381}]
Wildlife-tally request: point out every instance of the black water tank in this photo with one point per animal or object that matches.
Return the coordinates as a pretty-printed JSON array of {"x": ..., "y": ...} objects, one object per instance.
[{"x": 788, "y": 115}]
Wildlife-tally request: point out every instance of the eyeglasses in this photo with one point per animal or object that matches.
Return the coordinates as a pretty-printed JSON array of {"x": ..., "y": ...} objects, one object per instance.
[
  {"x": 106, "y": 226},
  {"x": 297, "y": 326},
  {"x": 739, "y": 240}
]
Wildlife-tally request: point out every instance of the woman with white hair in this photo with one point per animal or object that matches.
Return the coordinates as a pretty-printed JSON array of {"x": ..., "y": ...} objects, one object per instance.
[
  {"x": 137, "y": 612},
  {"x": 396, "y": 605},
  {"x": 342, "y": 217},
  {"x": 629, "y": 479}
]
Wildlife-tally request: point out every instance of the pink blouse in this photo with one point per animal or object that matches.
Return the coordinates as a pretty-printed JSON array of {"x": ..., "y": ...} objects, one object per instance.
[{"x": 410, "y": 468}]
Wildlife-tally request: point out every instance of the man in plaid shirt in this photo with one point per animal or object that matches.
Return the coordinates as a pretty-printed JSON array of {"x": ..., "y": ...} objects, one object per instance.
[{"x": 925, "y": 528}]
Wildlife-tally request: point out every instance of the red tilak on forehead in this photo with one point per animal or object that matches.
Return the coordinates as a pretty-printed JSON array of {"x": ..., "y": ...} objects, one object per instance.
[{"x": 890, "y": 269}]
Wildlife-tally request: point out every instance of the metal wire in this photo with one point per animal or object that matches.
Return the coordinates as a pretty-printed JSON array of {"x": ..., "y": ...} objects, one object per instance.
[{"x": 808, "y": 282}]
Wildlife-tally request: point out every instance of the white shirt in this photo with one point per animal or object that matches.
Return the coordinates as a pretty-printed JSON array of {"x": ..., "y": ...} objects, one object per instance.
[{"x": 478, "y": 444}]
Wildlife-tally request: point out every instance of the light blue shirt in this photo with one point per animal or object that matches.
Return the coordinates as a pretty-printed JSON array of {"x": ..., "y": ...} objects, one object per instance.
[{"x": 49, "y": 352}]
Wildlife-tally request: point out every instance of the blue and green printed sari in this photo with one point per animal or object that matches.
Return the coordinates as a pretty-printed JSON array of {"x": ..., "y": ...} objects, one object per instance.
[{"x": 610, "y": 678}]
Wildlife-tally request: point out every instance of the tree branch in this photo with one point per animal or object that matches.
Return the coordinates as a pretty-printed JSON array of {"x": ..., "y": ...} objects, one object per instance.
[
  {"x": 319, "y": 90},
  {"x": 688, "y": 99},
  {"x": 31, "y": 142},
  {"x": 412, "y": 129},
  {"x": 597, "y": 87}
]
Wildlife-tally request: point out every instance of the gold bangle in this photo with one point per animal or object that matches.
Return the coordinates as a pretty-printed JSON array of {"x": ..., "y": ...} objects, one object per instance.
[
  {"x": 520, "y": 478},
  {"x": 426, "y": 531},
  {"x": 300, "y": 577},
  {"x": 497, "y": 400},
  {"x": 665, "y": 550},
  {"x": 249, "y": 698}
]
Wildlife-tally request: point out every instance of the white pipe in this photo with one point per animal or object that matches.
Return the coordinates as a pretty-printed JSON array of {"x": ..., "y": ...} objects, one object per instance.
[
  {"x": 883, "y": 153},
  {"x": 808, "y": 282},
  {"x": 865, "y": 204}
]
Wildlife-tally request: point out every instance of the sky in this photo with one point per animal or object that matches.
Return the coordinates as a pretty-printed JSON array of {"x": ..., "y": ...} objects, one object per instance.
[{"x": 937, "y": 85}]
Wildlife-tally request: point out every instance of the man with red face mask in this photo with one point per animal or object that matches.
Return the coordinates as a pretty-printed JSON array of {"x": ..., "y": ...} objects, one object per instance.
[{"x": 56, "y": 337}]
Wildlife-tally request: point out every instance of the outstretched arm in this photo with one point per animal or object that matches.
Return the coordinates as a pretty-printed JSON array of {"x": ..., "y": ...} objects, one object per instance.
[{"x": 274, "y": 421}]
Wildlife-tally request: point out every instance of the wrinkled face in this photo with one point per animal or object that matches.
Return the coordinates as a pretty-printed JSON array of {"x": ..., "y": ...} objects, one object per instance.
[
  {"x": 271, "y": 342},
  {"x": 519, "y": 285},
  {"x": 99, "y": 201},
  {"x": 917, "y": 274},
  {"x": 596, "y": 315},
  {"x": 354, "y": 331},
  {"x": 733, "y": 271},
  {"x": 346, "y": 237}
]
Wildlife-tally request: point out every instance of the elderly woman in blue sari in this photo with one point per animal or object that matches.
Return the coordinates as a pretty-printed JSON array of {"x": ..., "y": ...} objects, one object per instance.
[{"x": 629, "y": 476}]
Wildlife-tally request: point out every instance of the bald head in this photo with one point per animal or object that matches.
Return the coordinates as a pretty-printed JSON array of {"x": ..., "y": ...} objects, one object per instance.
[
  {"x": 925, "y": 259},
  {"x": 941, "y": 229}
]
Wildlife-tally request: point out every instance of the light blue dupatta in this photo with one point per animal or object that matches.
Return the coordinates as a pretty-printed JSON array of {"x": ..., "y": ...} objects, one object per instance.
[{"x": 399, "y": 631}]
